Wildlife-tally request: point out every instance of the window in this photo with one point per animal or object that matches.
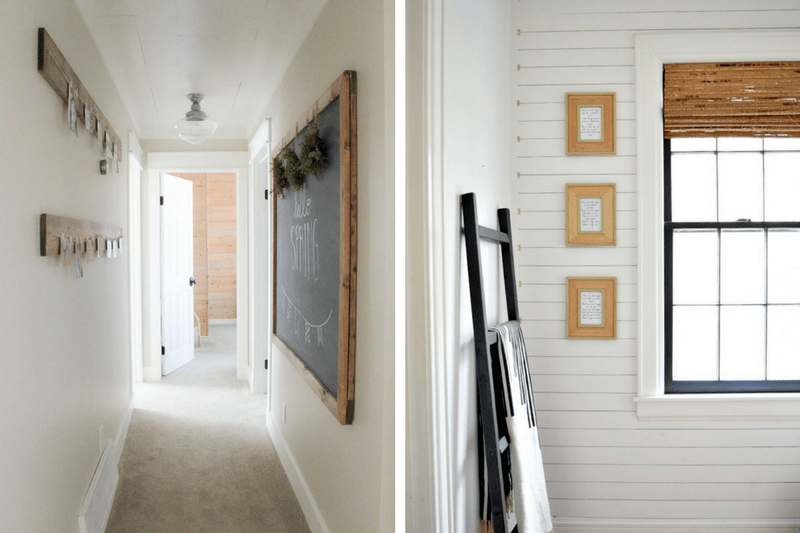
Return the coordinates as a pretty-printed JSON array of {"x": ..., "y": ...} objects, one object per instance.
[
  {"x": 652, "y": 53},
  {"x": 732, "y": 264}
]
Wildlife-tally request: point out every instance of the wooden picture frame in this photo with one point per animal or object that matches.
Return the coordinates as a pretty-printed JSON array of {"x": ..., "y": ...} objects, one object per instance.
[
  {"x": 592, "y": 308},
  {"x": 590, "y": 124},
  {"x": 591, "y": 214},
  {"x": 325, "y": 360}
]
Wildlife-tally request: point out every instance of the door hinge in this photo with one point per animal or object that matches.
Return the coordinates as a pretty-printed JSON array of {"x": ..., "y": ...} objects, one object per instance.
[
  {"x": 163, "y": 351},
  {"x": 266, "y": 364},
  {"x": 161, "y": 201},
  {"x": 266, "y": 194}
]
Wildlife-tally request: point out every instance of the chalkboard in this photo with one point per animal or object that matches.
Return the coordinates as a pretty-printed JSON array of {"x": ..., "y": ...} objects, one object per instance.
[{"x": 314, "y": 259}]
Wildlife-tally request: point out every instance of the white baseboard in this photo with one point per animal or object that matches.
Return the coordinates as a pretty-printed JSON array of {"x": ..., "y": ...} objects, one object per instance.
[
  {"x": 122, "y": 433},
  {"x": 301, "y": 490},
  {"x": 221, "y": 321},
  {"x": 96, "y": 507},
  {"x": 678, "y": 525},
  {"x": 152, "y": 373}
]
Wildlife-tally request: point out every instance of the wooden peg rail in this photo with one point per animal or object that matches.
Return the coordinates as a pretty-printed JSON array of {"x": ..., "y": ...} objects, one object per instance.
[
  {"x": 56, "y": 70},
  {"x": 52, "y": 227}
]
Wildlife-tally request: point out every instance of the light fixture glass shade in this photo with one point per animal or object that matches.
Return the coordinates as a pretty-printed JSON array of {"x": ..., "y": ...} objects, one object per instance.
[{"x": 195, "y": 127}]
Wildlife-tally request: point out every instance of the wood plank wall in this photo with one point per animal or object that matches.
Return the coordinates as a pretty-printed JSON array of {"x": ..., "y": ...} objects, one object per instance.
[
  {"x": 604, "y": 467},
  {"x": 214, "y": 246},
  {"x": 221, "y": 246}
]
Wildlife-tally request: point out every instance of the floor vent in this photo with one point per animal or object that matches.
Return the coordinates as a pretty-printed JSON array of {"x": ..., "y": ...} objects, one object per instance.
[{"x": 96, "y": 507}]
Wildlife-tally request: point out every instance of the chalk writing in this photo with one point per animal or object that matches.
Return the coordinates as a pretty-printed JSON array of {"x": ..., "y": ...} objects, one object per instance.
[
  {"x": 305, "y": 250},
  {"x": 591, "y": 308},
  {"x": 302, "y": 205},
  {"x": 300, "y": 327},
  {"x": 591, "y": 214},
  {"x": 590, "y": 120}
]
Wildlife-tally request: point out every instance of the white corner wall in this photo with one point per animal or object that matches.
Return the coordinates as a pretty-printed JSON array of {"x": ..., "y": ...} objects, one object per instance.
[
  {"x": 340, "y": 473},
  {"x": 607, "y": 470},
  {"x": 459, "y": 141},
  {"x": 65, "y": 369}
]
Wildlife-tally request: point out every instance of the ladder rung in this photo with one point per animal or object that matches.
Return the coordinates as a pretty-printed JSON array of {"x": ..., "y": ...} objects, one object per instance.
[{"x": 489, "y": 234}]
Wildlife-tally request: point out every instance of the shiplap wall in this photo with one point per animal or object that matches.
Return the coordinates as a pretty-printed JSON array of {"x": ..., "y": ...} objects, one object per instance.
[
  {"x": 214, "y": 245},
  {"x": 606, "y": 470},
  {"x": 222, "y": 246}
]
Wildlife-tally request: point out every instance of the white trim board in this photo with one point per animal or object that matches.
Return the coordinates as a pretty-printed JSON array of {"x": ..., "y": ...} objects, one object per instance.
[
  {"x": 221, "y": 321},
  {"x": 122, "y": 433},
  {"x": 301, "y": 490}
]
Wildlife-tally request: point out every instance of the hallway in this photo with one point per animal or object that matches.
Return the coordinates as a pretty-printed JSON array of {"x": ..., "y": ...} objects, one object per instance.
[{"x": 198, "y": 456}]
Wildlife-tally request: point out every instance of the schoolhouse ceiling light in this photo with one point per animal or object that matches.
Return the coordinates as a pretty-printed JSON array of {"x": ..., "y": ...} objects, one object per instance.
[{"x": 195, "y": 127}]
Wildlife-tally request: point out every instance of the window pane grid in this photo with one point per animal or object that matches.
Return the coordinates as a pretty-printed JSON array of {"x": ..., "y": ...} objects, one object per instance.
[{"x": 745, "y": 307}]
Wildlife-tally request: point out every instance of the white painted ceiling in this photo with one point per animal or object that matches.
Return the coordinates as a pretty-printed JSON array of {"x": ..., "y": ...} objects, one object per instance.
[{"x": 235, "y": 52}]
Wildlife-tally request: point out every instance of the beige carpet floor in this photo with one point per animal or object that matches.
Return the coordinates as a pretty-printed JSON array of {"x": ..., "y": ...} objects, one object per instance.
[{"x": 198, "y": 457}]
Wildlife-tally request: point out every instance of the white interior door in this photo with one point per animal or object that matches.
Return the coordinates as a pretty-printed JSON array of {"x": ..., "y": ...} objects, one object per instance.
[{"x": 177, "y": 293}]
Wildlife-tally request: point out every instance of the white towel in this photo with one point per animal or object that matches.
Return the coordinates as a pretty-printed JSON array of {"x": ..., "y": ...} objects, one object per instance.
[{"x": 532, "y": 506}]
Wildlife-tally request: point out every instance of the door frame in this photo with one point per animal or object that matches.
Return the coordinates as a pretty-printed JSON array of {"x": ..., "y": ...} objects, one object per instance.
[
  {"x": 134, "y": 245},
  {"x": 189, "y": 162},
  {"x": 260, "y": 261}
]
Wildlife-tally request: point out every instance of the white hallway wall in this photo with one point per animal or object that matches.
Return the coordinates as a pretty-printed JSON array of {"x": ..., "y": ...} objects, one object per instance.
[
  {"x": 605, "y": 469},
  {"x": 344, "y": 475},
  {"x": 65, "y": 367},
  {"x": 459, "y": 141}
]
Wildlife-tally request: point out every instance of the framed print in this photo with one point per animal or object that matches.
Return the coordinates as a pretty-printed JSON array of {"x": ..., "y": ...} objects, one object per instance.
[
  {"x": 590, "y": 123},
  {"x": 591, "y": 308},
  {"x": 591, "y": 214}
]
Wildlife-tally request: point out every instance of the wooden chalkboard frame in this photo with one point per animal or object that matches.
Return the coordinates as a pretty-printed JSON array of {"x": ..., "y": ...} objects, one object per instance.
[{"x": 342, "y": 404}]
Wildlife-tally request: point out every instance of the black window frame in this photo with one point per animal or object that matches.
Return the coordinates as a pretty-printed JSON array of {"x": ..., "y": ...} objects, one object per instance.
[{"x": 672, "y": 386}]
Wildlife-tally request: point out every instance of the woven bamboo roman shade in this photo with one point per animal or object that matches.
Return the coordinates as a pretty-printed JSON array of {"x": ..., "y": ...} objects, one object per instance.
[{"x": 732, "y": 99}]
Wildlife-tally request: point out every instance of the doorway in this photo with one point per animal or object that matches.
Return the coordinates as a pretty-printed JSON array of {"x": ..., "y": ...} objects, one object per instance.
[
  {"x": 180, "y": 164},
  {"x": 215, "y": 244}
]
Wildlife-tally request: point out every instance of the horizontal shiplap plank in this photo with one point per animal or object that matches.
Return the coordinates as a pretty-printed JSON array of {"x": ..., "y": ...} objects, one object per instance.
[
  {"x": 636, "y": 438},
  {"x": 626, "y": 311},
  {"x": 733, "y": 456},
  {"x": 538, "y": 9},
  {"x": 556, "y": 111},
  {"x": 584, "y": 401},
  {"x": 549, "y": 274},
  {"x": 563, "y": 347},
  {"x": 656, "y": 490},
  {"x": 574, "y": 420},
  {"x": 556, "y": 329},
  {"x": 610, "y": 39},
  {"x": 571, "y": 75},
  {"x": 584, "y": 384},
  {"x": 556, "y": 147},
  {"x": 557, "y": 293},
  {"x": 579, "y": 366},
  {"x": 547, "y": 238},
  {"x": 530, "y": 219},
  {"x": 667, "y": 509},
  {"x": 548, "y": 192},
  {"x": 530, "y": 126},
  {"x": 657, "y": 21},
  {"x": 555, "y": 92},
  {"x": 675, "y": 474},
  {"x": 577, "y": 255},
  {"x": 583, "y": 164},
  {"x": 529, "y": 58}
]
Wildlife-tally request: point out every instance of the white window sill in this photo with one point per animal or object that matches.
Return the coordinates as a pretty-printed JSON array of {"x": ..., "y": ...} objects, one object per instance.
[{"x": 767, "y": 406}]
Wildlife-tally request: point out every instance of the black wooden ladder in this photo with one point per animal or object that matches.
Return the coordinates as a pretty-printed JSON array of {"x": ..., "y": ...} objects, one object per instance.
[{"x": 484, "y": 340}]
